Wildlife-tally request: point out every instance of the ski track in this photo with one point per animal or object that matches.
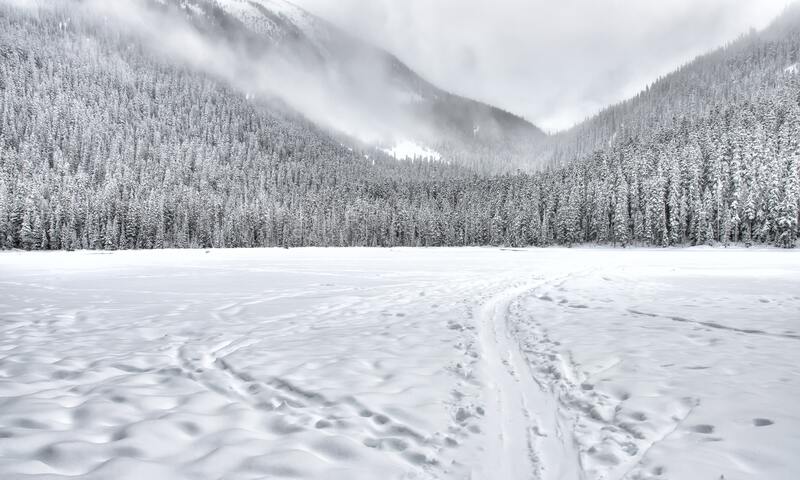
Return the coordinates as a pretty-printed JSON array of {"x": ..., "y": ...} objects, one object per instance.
[{"x": 526, "y": 438}]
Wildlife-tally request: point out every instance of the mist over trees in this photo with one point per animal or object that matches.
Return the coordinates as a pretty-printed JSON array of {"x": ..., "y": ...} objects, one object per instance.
[{"x": 106, "y": 146}]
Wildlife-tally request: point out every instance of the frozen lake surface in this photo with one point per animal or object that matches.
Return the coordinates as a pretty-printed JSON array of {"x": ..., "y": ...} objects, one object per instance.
[{"x": 400, "y": 364}]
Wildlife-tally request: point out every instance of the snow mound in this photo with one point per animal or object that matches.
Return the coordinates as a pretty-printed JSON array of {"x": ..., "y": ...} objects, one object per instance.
[{"x": 791, "y": 69}]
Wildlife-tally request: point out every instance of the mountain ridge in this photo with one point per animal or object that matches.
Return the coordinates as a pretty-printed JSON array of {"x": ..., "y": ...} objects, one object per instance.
[
  {"x": 367, "y": 78},
  {"x": 689, "y": 89}
]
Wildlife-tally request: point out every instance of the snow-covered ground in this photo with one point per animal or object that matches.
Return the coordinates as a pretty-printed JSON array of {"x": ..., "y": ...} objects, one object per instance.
[
  {"x": 403, "y": 363},
  {"x": 408, "y": 150}
]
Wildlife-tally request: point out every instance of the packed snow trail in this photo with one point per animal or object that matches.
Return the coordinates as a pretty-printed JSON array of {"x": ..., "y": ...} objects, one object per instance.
[
  {"x": 401, "y": 363},
  {"x": 524, "y": 435}
]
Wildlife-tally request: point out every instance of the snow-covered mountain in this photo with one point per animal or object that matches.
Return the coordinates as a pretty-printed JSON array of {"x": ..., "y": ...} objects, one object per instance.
[
  {"x": 378, "y": 99},
  {"x": 755, "y": 64},
  {"x": 167, "y": 123}
]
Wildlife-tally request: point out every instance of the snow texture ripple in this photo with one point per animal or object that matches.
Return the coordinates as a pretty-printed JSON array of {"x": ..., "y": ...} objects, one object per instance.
[{"x": 400, "y": 364}]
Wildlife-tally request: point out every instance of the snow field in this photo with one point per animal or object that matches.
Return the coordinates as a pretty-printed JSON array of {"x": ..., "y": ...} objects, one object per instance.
[
  {"x": 408, "y": 150},
  {"x": 401, "y": 363}
]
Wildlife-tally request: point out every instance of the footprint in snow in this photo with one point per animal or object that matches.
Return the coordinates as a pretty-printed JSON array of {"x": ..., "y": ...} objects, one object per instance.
[
  {"x": 762, "y": 422},
  {"x": 704, "y": 429}
]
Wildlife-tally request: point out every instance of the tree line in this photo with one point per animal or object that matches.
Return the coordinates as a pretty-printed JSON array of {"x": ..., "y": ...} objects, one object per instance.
[{"x": 103, "y": 146}]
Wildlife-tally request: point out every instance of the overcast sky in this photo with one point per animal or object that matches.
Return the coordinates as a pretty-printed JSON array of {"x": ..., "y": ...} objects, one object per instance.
[{"x": 554, "y": 62}]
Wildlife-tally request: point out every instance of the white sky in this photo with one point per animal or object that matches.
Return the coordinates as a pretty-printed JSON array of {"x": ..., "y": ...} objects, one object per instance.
[{"x": 554, "y": 62}]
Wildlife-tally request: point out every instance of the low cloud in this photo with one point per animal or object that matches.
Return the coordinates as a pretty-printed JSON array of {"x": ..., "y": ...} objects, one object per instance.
[
  {"x": 554, "y": 62},
  {"x": 346, "y": 98}
]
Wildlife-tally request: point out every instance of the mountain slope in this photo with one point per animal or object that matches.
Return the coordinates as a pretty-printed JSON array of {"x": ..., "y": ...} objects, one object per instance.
[
  {"x": 754, "y": 64},
  {"x": 378, "y": 99}
]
